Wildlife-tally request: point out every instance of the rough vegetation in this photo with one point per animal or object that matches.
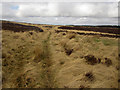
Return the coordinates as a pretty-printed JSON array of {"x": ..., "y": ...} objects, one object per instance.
[
  {"x": 106, "y": 29},
  {"x": 57, "y": 59},
  {"x": 18, "y": 27}
]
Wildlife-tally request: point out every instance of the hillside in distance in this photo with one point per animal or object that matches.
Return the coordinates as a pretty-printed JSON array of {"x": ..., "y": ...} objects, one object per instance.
[{"x": 58, "y": 56}]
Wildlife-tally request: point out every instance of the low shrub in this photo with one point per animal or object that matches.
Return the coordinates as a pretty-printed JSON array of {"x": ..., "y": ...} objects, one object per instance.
[
  {"x": 108, "y": 62},
  {"x": 90, "y": 59},
  {"x": 89, "y": 76},
  {"x": 62, "y": 62},
  {"x": 71, "y": 35}
]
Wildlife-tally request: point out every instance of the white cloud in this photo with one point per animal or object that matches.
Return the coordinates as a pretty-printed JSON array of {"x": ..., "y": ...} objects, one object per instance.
[
  {"x": 84, "y": 9},
  {"x": 60, "y": 0},
  {"x": 68, "y": 9},
  {"x": 113, "y": 10},
  {"x": 67, "y": 20},
  {"x": 96, "y": 9},
  {"x": 35, "y": 10},
  {"x": 93, "y": 13},
  {"x": 7, "y": 10},
  {"x": 0, "y": 11}
]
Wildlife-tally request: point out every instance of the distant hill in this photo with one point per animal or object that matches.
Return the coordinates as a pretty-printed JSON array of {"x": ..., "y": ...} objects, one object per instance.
[{"x": 7, "y": 25}]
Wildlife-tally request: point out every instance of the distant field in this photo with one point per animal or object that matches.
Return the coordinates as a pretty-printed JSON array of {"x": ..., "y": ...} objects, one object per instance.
[
  {"x": 54, "y": 56},
  {"x": 103, "y": 29}
]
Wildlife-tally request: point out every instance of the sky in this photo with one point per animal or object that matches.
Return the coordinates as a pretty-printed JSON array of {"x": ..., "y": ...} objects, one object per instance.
[{"x": 61, "y": 12}]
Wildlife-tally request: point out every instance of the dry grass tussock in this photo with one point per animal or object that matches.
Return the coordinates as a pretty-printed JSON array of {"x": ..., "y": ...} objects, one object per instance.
[
  {"x": 39, "y": 53},
  {"x": 47, "y": 59},
  {"x": 68, "y": 50},
  {"x": 71, "y": 35}
]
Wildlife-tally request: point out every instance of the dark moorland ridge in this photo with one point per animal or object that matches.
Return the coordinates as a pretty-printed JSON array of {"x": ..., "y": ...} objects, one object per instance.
[
  {"x": 103, "y": 29},
  {"x": 6, "y": 25},
  {"x": 80, "y": 33}
]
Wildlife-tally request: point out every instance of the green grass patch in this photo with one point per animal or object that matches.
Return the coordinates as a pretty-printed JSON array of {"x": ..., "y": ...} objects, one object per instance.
[
  {"x": 106, "y": 41},
  {"x": 96, "y": 40},
  {"x": 109, "y": 42}
]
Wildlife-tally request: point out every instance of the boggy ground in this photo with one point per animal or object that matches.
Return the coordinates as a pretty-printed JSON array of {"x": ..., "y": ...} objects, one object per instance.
[{"x": 50, "y": 59}]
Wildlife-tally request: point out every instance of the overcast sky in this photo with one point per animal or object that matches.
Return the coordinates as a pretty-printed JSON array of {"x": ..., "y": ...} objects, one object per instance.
[{"x": 75, "y": 12}]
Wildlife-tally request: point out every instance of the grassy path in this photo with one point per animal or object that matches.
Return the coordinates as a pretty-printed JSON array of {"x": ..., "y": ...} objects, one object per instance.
[
  {"x": 26, "y": 69},
  {"x": 48, "y": 78}
]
